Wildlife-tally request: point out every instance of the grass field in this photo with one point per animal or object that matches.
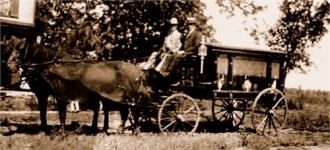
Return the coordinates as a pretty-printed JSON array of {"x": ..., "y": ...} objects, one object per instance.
[
  {"x": 307, "y": 127},
  {"x": 148, "y": 141}
]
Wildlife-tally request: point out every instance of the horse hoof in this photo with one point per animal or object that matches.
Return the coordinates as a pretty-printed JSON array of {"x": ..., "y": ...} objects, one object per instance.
[
  {"x": 136, "y": 132},
  {"x": 121, "y": 130},
  {"x": 94, "y": 131},
  {"x": 105, "y": 130},
  {"x": 43, "y": 127}
]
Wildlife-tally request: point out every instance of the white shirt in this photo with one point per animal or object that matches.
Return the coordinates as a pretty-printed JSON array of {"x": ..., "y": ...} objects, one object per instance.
[{"x": 173, "y": 41}]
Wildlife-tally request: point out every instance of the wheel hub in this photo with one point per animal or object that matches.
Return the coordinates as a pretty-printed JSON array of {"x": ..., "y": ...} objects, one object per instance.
[
  {"x": 271, "y": 112},
  {"x": 180, "y": 117},
  {"x": 231, "y": 107}
]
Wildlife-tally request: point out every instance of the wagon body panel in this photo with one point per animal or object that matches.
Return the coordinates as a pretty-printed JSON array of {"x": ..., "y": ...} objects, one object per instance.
[{"x": 260, "y": 66}]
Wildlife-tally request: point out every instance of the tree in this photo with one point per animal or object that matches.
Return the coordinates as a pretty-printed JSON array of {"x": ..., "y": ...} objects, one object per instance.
[
  {"x": 126, "y": 29},
  {"x": 302, "y": 25}
]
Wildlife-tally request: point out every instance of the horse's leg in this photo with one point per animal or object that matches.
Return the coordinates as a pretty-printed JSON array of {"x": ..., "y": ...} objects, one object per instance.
[
  {"x": 123, "y": 115},
  {"x": 95, "y": 116},
  {"x": 42, "y": 103},
  {"x": 136, "y": 116},
  {"x": 106, "y": 115},
  {"x": 61, "y": 104},
  {"x": 42, "y": 91}
]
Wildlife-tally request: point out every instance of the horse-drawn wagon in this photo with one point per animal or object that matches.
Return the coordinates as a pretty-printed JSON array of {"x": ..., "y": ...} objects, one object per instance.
[{"x": 237, "y": 80}]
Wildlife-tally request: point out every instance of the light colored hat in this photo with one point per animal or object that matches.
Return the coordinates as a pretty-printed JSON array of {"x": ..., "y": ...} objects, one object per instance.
[
  {"x": 191, "y": 20},
  {"x": 174, "y": 21}
]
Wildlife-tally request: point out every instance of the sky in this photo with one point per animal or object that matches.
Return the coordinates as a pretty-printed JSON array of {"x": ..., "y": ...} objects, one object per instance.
[{"x": 231, "y": 31}]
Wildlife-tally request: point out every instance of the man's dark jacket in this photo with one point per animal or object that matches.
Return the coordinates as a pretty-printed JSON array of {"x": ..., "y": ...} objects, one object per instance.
[{"x": 192, "y": 42}]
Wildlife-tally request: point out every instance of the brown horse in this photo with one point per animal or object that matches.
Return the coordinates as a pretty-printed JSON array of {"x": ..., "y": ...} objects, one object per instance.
[{"x": 117, "y": 84}]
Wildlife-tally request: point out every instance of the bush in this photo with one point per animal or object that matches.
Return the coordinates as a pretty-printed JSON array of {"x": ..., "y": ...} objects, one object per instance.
[
  {"x": 16, "y": 103},
  {"x": 309, "y": 119},
  {"x": 24, "y": 103}
]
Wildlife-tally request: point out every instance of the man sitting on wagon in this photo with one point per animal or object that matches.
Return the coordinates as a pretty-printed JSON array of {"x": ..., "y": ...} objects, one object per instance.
[
  {"x": 171, "y": 50},
  {"x": 193, "y": 38},
  {"x": 192, "y": 42},
  {"x": 172, "y": 44}
]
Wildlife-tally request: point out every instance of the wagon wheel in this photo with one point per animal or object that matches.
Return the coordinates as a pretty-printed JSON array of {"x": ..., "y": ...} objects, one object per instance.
[
  {"x": 229, "y": 111},
  {"x": 269, "y": 111},
  {"x": 179, "y": 113}
]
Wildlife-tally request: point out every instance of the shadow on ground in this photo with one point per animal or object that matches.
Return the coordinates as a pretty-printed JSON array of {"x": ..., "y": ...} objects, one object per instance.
[{"x": 8, "y": 128}]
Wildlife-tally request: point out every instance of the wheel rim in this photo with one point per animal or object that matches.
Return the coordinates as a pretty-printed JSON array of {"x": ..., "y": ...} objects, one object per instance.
[
  {"x": 179, "y": 113},
  {"x": 228, "y": 111},
  {"x": 269, "y": 111}
]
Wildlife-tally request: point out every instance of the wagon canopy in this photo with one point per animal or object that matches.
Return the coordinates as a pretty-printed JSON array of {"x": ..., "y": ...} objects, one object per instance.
[{"x": 217, "y": 47}]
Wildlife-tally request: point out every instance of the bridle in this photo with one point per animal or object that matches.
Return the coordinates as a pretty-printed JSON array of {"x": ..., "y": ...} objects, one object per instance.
[{"x": 25, "y": 52}]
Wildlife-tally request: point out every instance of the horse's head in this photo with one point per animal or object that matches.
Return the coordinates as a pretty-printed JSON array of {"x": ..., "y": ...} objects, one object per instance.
[
  {"x": 16, "y": 47},
  {"x": 23, "y": 52}
]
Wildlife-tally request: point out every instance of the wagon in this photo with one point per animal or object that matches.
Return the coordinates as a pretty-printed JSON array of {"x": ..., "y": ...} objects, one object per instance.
[{"x": 238, "y": 81}]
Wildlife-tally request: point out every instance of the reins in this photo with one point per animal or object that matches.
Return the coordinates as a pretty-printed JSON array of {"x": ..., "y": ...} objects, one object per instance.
[{"x": 57, "y": 61}]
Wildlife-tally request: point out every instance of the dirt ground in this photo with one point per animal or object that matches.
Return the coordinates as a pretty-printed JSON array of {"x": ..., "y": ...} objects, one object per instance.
[{"x": 19, "y": 124}]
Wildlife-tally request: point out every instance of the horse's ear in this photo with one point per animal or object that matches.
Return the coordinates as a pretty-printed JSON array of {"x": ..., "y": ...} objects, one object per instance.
[
  {"x": 22, "y": 43},
  {"x": 6, "y": 42},
  {"x": 13, "y": 41},
  {"x": 3, "y": 40},
  {"x": 9, "y": 40}
]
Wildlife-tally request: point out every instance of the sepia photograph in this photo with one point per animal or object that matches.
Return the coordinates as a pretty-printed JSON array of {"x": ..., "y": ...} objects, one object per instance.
[{"x": 165, "y": 74}]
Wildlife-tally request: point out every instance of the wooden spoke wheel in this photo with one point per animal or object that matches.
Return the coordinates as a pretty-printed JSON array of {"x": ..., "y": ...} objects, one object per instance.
[
  {"x": 178, "y": 113},
  {"x": 229, "y": 112},
  {"x": 269, "y": 111}
]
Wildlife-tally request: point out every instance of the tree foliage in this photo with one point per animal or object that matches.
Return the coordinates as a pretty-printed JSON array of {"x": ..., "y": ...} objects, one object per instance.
[
  {"x": 245, "y": 7},
  {"x": 302, "y": 25},
  {"x": 122, "y": 29}
]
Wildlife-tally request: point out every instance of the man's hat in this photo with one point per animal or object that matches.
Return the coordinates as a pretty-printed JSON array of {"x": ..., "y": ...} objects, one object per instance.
[
  {"x": 174, "y": 21},
  {"x": 191, "y": 20}
]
